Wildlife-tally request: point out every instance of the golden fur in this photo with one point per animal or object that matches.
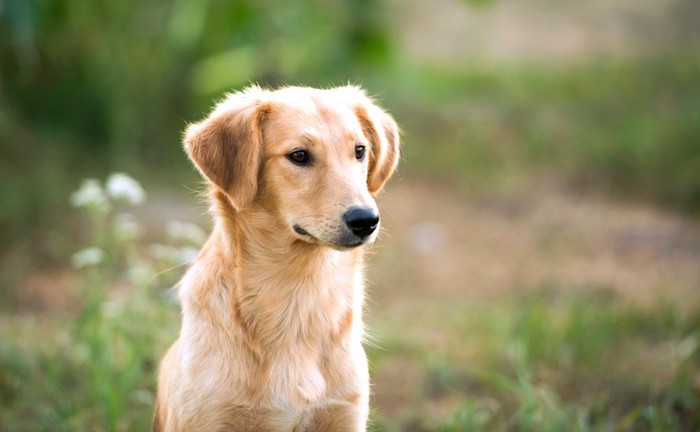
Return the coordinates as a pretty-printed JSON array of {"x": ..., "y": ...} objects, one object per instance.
[{"x": 271, "y": 336}]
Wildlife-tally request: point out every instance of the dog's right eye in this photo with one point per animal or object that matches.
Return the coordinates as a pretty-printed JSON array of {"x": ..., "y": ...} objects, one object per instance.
[{"x": 299, "y": 157}]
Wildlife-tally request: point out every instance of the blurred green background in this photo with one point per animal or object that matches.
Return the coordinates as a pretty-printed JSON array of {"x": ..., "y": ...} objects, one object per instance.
[{"x": 545, "y": 212}]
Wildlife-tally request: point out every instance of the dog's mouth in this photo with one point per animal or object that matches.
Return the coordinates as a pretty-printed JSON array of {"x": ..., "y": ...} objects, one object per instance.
[
  {"x": 299, "y": 230},
  {"x": 344, "y": 242},
  {"x": 307, "y": 236}
]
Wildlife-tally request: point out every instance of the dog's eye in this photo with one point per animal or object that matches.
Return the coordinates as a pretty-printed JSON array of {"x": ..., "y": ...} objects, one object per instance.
[
  {"x": 359, "y": 152},
  {"x": 299, "y": 157}
]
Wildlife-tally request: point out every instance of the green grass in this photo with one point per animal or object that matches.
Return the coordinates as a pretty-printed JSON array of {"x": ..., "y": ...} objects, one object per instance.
[
  {"x": 93, "y": 368},
  {"x": 584, "y": 365},
  {"x": 581, "y": 362}
]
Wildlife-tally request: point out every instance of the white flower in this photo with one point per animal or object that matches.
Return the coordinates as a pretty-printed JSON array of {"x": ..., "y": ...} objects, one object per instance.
[
  {"x": 122, "y": 186},
  {"x": 161, "y": 252},
  {"x": 111, "y": 309},
  {"x": 188, "y": 232},
  {"x": 126, "y": 227},
  {"x": 187, "y": 254},
  {"x": 173, "y": 255},
  {"x": 141, "y": 274},
  {"x": 87, "y": 257},
  {"x": 90, "y": 194}
]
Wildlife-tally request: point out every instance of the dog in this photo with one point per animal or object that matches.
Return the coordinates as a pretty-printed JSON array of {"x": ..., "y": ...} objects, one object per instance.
[{"x": 272, "y": 330}]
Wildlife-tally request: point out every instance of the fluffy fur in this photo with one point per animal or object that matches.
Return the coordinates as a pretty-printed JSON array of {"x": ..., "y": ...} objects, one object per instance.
[{"x": 272, "y": 306}]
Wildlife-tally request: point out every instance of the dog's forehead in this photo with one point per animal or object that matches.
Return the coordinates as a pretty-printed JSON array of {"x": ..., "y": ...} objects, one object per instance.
[{"x": 314, "y": 115}]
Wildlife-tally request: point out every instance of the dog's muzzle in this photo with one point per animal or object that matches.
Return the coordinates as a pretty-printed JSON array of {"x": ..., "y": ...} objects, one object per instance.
[{"x": 357, "y": 226}]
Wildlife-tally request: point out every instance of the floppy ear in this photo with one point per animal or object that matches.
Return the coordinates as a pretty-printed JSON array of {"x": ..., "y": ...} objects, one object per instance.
[
  {"x": 383, "y": 134},
  {"x": 227, "y": 147}
]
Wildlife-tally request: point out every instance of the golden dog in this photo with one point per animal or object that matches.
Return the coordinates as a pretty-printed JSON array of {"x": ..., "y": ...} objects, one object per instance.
[{"x": 271, "y": 336}]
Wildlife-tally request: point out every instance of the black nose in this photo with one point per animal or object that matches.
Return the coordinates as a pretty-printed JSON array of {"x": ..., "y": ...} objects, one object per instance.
[{"x": 361, "y": 221}]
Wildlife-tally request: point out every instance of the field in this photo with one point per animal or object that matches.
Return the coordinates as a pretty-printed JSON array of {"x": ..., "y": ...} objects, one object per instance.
[
  {"x": 539, "y": 267},
  {"x": 533, "y": 310},
  {"x": 537, "y": 310}
]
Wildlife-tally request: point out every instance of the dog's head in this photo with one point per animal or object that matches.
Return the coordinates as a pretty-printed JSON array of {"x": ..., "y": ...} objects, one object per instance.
[{"x": 316, "y": 158}]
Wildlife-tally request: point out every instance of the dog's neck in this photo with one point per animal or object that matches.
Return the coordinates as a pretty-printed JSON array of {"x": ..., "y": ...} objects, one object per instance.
[{"x": 280, "y": 281}]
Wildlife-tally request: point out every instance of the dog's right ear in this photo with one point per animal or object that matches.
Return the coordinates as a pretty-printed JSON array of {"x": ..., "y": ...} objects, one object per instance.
[{"x": 227, "y": 146}]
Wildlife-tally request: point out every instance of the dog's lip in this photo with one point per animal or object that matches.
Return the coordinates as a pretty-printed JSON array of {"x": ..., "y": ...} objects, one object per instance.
[
  {"x": 351, "y": 241},
  {"x": 302, "y": 232},
  {"x": 354, "y": 244},
  {"x": 299, "y": 230},
  {"x": 343, "y": 243}
]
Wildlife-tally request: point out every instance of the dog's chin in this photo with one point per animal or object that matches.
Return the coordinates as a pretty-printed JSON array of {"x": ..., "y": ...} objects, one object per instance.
[
  {"x": 348, "y": 243},
  {"x": 344, "y": 242}
]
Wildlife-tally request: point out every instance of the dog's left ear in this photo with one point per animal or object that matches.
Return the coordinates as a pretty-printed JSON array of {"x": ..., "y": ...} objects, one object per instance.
[
  {"x": 226, "y": 147},
  {"x": 383, "y": 134}
]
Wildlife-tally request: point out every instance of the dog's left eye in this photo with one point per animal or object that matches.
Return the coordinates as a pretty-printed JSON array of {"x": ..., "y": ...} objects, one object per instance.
[
  {"x": 359, "y": 152},
  {"x": 299, "y": 157}
]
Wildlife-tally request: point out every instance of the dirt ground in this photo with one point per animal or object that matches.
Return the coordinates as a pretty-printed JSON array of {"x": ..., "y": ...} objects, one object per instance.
[{"x": 485, "y": 246}]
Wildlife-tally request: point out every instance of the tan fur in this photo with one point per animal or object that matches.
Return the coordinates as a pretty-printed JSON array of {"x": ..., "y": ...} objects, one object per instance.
[{"x": 272, "y": 329}]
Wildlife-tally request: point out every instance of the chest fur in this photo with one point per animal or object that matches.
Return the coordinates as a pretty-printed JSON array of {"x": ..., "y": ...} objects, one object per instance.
[{"x": 273, "y": 341}]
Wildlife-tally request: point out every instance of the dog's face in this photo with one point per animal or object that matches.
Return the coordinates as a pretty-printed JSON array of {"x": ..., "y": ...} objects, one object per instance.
[
  {"x": 314, "y": 171},
  {"x": 314, "y": 157}
]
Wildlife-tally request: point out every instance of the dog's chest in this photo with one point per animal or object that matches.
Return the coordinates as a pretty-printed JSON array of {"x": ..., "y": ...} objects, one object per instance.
[
  {"x": 289, "y": 395},
  {"x": 276, "y": 358}
]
